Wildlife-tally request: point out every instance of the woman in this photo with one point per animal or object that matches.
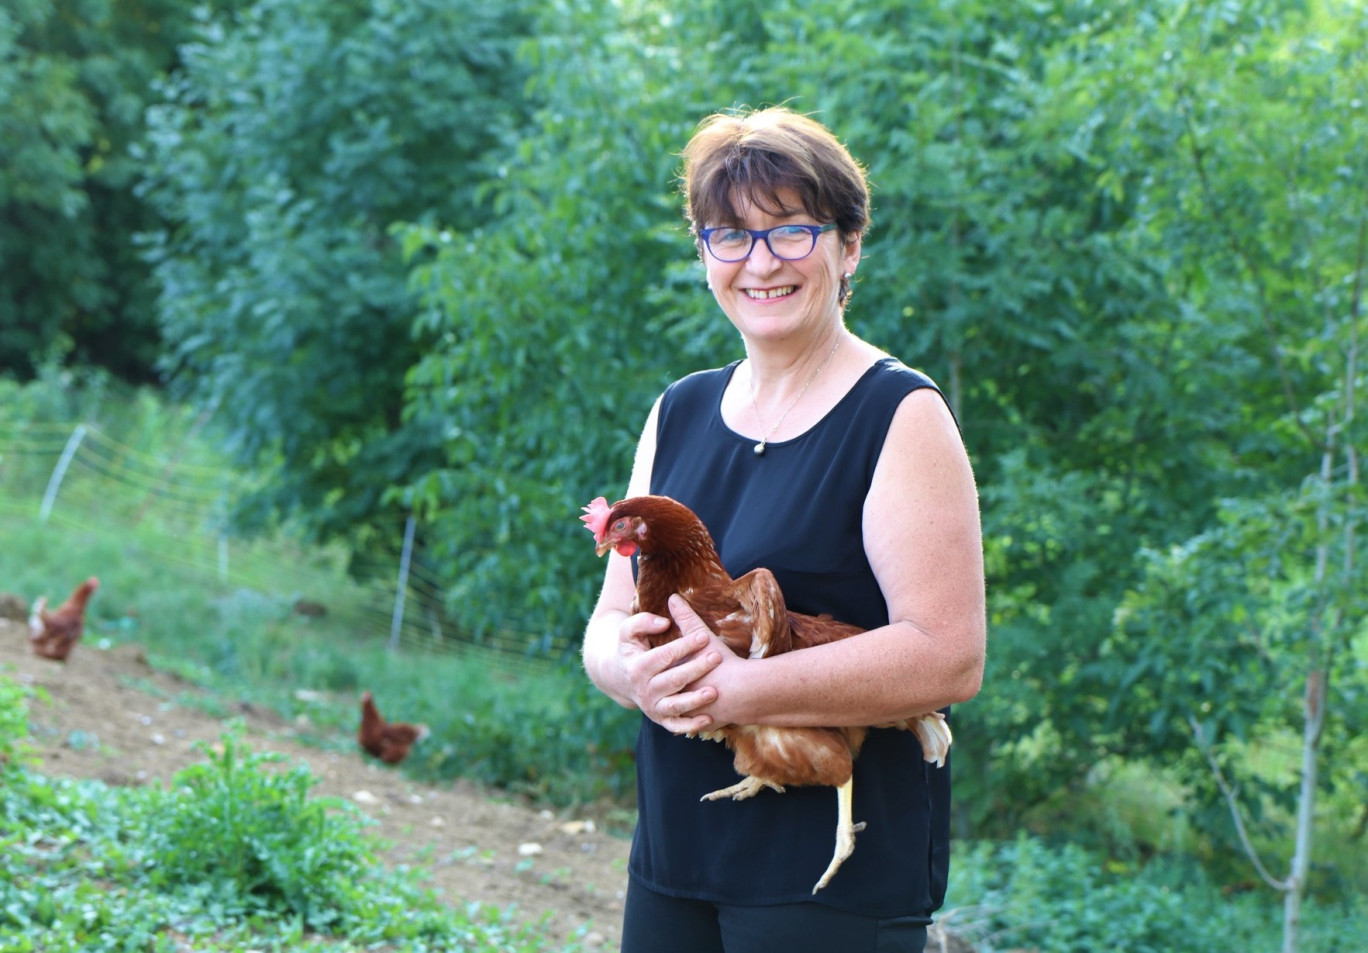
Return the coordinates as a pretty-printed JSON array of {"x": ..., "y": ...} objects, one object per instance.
[{"x": 825, "y": 460}]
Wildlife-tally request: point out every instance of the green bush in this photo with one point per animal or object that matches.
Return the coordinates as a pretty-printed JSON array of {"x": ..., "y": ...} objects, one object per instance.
[
  {"x": 254, "y": 840},
  {"x": 1026, "y": 894}
]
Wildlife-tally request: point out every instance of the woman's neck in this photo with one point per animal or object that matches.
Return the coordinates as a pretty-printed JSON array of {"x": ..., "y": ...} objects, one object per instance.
[{"x": 777, "y": 372}]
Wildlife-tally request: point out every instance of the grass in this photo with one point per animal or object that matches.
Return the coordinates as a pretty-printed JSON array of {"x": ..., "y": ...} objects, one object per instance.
[
  {"x": 218, "y": 609},
  {"x": 530, "y": 727}
]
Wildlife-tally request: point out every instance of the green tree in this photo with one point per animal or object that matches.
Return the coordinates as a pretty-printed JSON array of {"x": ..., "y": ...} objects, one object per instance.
[
  {"x": 46, "y": 123},
  {"x": 547, "y": 327},
  {"x": 1256, "y": 209},
  {"x": 985, "y": 221},
  {"x": 296, "y": 134},
  {"x": 75, "y": 78}
]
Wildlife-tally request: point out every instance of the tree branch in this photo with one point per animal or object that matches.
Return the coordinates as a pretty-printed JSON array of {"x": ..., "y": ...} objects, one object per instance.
[{"x": 1233, "y": 802}]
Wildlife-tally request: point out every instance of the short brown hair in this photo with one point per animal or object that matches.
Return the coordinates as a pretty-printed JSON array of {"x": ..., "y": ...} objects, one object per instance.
[{"x": 752, "y": 156}]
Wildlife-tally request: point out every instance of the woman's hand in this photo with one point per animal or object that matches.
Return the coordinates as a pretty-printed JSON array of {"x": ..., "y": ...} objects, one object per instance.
[
  {"x": 726, "y": 671},
  {"x": 660, "y": 681}
]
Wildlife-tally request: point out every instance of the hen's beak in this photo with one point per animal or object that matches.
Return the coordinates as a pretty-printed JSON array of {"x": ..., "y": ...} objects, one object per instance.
[{"x": 602, "y": 546}]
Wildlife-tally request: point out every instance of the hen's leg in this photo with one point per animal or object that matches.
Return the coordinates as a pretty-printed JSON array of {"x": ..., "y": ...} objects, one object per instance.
[
  {"x": 845, "y": 831},
  {"x": 746, "y": 787}
]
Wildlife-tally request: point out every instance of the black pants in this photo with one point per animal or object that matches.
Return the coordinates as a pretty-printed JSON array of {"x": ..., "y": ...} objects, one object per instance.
[{"x": 656, "y": 923}]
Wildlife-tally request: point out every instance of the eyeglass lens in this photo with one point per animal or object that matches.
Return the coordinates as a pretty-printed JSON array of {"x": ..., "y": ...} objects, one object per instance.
[{"x": 789, "y": 242}]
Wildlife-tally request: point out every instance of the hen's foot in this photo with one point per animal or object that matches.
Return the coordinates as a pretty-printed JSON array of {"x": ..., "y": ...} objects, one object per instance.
[
  {"x": 846, "y": 830},
  {"x": 746, "y": 787}
]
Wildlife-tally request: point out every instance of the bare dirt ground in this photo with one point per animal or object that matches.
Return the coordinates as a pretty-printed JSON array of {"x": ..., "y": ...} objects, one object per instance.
[{"x": 114, "y": 718}]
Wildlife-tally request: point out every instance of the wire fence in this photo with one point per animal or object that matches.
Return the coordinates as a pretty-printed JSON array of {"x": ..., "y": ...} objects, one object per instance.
[{"x": 69, "y": 475}]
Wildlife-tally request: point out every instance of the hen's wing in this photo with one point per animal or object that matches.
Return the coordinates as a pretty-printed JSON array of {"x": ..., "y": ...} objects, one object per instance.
[
  {"x": 748, "y": 613},
  {"x": 810, "y": 630},
  {"x": 397, "y": 738},
  {"x": 931, "y": 729}
]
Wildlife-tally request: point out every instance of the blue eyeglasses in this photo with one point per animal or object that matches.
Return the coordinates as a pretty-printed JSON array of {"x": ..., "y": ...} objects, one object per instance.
[{"x": 789, "y": 242}]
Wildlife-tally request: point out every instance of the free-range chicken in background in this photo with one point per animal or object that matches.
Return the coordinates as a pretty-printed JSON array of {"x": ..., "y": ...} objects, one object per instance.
[
  {"x": 53, "y": 634},
  {"x": 390, "y": 741},
  {"x": 676, "y": 554}
]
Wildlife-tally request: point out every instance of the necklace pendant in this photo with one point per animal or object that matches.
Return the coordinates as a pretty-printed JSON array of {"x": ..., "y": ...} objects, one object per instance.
[{"x": 759, "y": 449}]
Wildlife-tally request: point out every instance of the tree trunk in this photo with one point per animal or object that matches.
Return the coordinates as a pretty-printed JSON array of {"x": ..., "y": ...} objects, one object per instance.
[{"x": 1306, "y": 809}]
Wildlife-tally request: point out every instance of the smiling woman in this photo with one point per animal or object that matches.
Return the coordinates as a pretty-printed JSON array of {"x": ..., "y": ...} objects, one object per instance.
[{"x": 842, "y": 471}]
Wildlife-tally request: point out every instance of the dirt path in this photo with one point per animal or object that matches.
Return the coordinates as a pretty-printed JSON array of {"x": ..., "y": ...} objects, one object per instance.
[{"x": 114, "y": 718}]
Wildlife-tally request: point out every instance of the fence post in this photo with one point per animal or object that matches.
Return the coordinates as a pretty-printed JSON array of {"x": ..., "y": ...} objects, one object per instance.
[
  {"x": 398, "y": 619},
  {"x": 59, "y": 471}
]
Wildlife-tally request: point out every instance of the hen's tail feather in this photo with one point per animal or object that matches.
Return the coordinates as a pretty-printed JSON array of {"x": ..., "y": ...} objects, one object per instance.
[
  {"x": 933, "y": 731},
  {"x": 35, "y": 621}
]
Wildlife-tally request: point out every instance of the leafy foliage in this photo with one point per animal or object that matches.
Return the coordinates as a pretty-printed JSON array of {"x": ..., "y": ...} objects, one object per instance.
[
  {"x": 75, "y": 79},
  {"x": 544, "y": 330},
  {"x": 1257, "y": 225},
  {"x": 978, "y": 137},
  {"x": 1025, "y": 894},
  {"x": 15, "y": 750},
  {"x": 296, "y": 133},
  {"x": 253, "y": 840}
]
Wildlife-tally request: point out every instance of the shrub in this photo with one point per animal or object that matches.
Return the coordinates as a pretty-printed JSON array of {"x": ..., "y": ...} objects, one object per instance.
[
  {"x": 1026, "y": 894},
  {"x": 254, "y": 840}
]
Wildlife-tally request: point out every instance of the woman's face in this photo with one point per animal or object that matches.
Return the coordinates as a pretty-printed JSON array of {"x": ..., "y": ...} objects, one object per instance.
[{"x": 772, "y": 298}]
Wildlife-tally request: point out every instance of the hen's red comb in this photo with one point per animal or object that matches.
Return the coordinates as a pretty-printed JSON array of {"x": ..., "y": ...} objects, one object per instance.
[{"x": 595, "y": 518}]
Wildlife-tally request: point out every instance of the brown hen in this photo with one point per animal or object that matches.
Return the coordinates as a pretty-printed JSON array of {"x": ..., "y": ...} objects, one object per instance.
[
  {"x": 675, "y": 553},
  {"x": 53, "y": 634},
  {"x": 390, "y": 741}
]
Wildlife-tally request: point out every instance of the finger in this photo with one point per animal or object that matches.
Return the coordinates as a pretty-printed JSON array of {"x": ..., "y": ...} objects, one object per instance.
[
  {"x": 677, "y": 650},
  {"x": 681, "y": 674},
  {"x": 687, "y": 704},
  {"x": 689, "y": 621},
  {"x": 679, "y": 713},
  {"x": 688, "y": 672},
  {"x": 637, "y": 628},
  {"x": 687, "y": 726}
]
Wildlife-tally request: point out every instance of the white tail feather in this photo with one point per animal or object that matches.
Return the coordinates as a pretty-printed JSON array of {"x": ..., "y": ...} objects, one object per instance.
[
  {"x": 36, "y": 627},
  {"x": 934, "y": 734}
]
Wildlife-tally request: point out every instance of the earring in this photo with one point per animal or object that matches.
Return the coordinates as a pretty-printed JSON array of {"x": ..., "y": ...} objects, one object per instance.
[{"x": 847, "y": 276}]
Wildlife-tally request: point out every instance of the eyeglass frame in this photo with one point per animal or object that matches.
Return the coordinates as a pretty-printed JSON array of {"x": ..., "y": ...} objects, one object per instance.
[{"x": 761, "y": 234}]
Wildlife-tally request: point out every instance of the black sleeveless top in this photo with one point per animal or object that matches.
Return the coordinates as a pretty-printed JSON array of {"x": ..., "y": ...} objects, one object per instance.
[{"x": 797, "y": 510}]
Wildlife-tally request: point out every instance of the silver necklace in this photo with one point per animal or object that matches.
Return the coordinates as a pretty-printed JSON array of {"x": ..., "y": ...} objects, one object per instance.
[{"x": 759, "y": 448}]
